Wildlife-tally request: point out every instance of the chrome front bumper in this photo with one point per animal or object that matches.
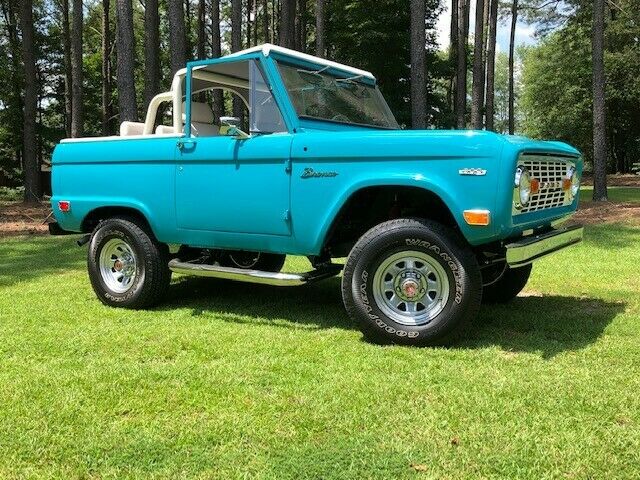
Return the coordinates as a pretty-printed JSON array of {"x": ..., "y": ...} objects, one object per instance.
[{"x": 531, "y": 248}]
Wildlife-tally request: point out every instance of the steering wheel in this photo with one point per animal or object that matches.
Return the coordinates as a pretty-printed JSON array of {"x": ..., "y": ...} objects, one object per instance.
[{"x": 340, "y": 118}]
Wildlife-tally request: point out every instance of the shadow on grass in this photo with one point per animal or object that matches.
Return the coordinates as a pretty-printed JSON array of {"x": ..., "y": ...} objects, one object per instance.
[
  {"x": 612, "y": 236},
  {"x": 28, "y": 258},
  {"x": 548, "y": 325}
]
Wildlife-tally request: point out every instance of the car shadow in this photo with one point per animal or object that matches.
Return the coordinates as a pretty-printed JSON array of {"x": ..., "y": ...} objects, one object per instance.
[
  {"x": 547, "y": 325},
  {"x": 28, "y": 258}
]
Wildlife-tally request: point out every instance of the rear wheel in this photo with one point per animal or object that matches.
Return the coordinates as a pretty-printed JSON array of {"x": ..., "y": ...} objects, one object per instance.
[
  {"x": 412, "y": 282},
  {"x": 127, "y": 266},
  {"x": 506, "y": 286}
]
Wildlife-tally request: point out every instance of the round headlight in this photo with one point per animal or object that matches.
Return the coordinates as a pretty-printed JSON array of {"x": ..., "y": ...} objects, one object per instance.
[
  {"x": 572, "y": 174},
  {"x": 523, "y": 184}
]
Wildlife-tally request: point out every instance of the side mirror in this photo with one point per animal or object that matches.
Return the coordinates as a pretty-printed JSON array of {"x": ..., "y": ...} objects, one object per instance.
[{"x": 232, "y": 131}]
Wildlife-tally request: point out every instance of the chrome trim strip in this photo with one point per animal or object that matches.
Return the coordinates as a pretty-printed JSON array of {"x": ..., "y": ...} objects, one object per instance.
[
  {"x": 528, "y": 249},
  {"x": 254, "y": 276}
]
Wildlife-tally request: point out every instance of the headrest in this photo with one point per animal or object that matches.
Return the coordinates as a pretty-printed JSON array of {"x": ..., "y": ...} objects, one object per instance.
[
  {"x": 164, "y": 130},
  {"x": 200, "y": 112},
  {"x": 131, "y": 128}
]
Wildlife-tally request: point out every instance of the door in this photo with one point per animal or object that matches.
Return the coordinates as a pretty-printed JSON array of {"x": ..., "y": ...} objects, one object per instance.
[
  {"x": 224, "y": 184},
  {"x": 233, "y": 184}
]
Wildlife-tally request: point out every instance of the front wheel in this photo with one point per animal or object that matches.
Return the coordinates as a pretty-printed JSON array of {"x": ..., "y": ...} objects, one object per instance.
[
  {"x": 412, "y": 282},
  {"x": 127, "y": 266}
]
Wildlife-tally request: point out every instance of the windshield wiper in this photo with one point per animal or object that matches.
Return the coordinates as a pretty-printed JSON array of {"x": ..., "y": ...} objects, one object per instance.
[
  {"x": 313, "y": 72},
  {"x": 349, "y": 79}
]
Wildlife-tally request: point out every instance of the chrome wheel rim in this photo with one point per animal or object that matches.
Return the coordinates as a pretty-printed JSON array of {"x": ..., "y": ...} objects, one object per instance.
[
  {"x": 411, "y": 288},
  {"x": 117, "y": 265}
]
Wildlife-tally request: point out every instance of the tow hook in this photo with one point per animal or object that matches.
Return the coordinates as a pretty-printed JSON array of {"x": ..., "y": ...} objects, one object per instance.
[{"x": 84, "y": 240}]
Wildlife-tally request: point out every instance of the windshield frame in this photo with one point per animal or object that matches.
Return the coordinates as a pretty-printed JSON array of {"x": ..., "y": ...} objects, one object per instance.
[{"x": 365, "y": 81}]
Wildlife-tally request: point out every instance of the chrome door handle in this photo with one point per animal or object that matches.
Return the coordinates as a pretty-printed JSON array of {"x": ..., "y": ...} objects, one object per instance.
[{"x": 185, "y": 143}]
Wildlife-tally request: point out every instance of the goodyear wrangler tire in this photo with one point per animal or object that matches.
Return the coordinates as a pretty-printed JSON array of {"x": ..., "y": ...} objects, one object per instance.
[
  {"x": 127, "y": 266},
  {"x": 411, "y": 282}
]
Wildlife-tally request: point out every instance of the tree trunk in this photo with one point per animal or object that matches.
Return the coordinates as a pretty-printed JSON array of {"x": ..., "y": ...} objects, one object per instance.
[
  {"x": 418, "y": 67},
  {"x": 265, "y": 19},
  {"x": 77, "y": 104},
  {"x": 200, "y": 50},
  {"x": 249, "y": 26},
  {"x": 151, "y": 51},
  {"x": 106, "y": 67},
  {"x": 177, "y": 40},
  {"x": 301, "y": 33},
  {"x": 187, "y": 36},
  {"x": 17, "y": 77},
  {"x": 512, "y": 51},
  {"x": 599, "y": 106},
  {"x": 236, "y": 44},
  {"x": 126, "y": 56},
  {"x": 255, "y": 21},
  {"x": 274, "y": 14},
  {"x": 320, "y": 46},
  {"x": 461, "y": 67},
  {"x": 66, "y": 45},
  {"x": 216, "y": 51},
  {"x": 287, "y": 23},
  {"x": 491, "y": 65},
  {"x": 477, "y": 89},
  {"x": 32, "y": 188},
  {"x": 236, "y": 25},
  {"x": 453, "y": 50}
]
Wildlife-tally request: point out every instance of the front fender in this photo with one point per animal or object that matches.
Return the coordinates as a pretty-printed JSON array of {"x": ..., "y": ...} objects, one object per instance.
[{"x": 435, "y": 184}]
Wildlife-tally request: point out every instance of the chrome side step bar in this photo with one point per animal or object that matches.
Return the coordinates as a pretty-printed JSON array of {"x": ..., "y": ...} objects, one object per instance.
[{"x": 254, "y": 276}]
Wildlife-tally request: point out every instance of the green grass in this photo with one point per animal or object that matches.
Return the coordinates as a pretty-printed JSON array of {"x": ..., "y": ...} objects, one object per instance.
[
  {"x": 11, "y": 194},
  {"x": 230, "y": 380},
  {"x": 616, "y": 194}
]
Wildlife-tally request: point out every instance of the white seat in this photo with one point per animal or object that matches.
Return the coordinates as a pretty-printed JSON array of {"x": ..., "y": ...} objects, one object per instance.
[
  {"x": 128, "y": 129},
  {"x": 204, "y": 129},
  {"x": 201, "y": 120},
  {"x": 164, "y": 130}
]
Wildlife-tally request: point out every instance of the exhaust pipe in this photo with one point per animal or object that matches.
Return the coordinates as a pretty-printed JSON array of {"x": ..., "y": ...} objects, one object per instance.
[{"x": 84, "y": 240}]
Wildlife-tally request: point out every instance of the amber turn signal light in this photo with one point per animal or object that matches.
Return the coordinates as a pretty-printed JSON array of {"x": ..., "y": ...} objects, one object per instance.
[
  {"x": 535, "y": 186},
  {"x": 476, "y": 217}
]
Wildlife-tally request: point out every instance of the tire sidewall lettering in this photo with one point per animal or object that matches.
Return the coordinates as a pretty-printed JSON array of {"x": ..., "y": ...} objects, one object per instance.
[
  {"x": 446, "y": 260},
  {"x": 362, "y": 281},
  {"x": 99, "y": 240}
]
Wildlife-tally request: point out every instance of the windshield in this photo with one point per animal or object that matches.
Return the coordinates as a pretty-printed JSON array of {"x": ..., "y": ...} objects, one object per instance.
[{"x": 320, "y": 95}]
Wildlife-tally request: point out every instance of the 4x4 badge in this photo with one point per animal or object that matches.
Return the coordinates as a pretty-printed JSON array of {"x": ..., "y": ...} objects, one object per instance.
[
  {"x": 311, "y": 173},
  {"x": 479, "y": 172}
]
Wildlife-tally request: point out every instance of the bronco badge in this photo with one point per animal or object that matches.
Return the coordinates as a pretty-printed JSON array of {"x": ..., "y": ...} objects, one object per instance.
[{"x": 311, "y": 173}]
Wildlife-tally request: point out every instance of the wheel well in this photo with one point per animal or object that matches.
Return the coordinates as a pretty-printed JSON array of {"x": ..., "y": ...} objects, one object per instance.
[
  {"x": 94, "y": 217},
  {"x": 373, "y": 205}
]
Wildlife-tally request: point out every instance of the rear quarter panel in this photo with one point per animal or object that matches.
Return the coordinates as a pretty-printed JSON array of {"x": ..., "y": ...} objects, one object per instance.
[{"x": 134, "y": 173}]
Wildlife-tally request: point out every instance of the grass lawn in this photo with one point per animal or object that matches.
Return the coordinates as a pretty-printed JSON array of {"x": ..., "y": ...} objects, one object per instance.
[
  {"x": 615, "y": 194},
  {"x": 229, "y": 380}
]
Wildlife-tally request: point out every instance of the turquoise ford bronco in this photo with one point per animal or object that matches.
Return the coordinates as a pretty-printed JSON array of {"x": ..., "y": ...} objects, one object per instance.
[{"x": 312, "y": 162}]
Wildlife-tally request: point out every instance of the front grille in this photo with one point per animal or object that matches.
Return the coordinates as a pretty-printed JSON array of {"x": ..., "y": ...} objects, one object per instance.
[{"x": 550, "y": 172}]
